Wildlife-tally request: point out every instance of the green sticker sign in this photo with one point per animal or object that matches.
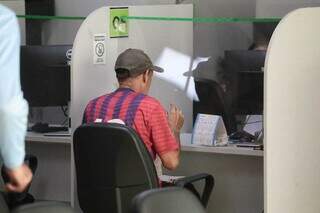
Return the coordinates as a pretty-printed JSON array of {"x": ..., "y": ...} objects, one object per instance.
[{"x": 118, "y": 25}]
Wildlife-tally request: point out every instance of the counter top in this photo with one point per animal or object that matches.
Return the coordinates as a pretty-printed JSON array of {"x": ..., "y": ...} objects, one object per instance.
[
  {"x": 53, "y": 138},
  {"x": 230, "y": 149},
  {"x": 185, "y": 144}
]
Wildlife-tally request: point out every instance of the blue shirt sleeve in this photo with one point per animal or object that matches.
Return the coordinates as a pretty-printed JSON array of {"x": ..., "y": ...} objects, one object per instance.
[{"x": 13, "y": 108}]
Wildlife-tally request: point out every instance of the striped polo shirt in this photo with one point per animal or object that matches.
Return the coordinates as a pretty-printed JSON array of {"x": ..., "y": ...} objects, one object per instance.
[{"x": 139, "y": 111}]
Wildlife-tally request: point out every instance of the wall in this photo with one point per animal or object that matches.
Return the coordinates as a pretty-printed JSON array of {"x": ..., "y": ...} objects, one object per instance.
[
  {"x": 64, "y": 32},
  {"x": 210, "y": 40},
  {"x": 279, "y": 8}
]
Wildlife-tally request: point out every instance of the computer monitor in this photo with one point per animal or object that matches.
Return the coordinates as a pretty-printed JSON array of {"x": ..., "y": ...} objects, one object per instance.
[
  {"x": 45, "y": 74},
  {"x": 262, "y": 32},
  {"x": 243, "y": 74},
  {"x": 246, "y": 70}
]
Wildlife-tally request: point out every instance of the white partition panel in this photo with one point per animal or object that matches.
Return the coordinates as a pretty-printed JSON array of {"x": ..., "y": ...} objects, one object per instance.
[
  {"x": 292, "y": 115},
  {"x": 169, "y": 44}
]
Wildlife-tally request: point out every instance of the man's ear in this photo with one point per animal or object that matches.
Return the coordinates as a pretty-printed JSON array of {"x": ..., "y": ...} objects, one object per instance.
[{"x": 145, "y": 76}]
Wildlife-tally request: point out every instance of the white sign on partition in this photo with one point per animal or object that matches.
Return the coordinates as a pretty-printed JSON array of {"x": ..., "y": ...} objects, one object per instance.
[
  {"x": 99, "y": 49},
  {"x": 209, "y": 130}
]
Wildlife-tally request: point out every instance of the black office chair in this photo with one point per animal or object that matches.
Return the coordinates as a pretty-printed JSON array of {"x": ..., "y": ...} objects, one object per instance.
[
  {"x": 37, "y": 207},
  {"x": 113, "y": 165},
  {"x": 168, "y": 200}
]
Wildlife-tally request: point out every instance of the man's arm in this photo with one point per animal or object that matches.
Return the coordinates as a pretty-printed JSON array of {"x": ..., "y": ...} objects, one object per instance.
[
  {"x": 171, "y": 159},
  {"x": 166, "y": 135},
  {"x": 176, "y": 120},
  {"x": 13, "y": 108}
]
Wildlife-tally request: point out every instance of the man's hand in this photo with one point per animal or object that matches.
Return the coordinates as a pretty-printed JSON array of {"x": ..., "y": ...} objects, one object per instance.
[
  {"x": 19, "y": 178},
  {"x": 175, "y": 118}
]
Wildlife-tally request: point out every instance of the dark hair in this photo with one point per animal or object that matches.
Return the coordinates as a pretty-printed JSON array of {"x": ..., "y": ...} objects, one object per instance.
[{"x": 122, "y": 74}]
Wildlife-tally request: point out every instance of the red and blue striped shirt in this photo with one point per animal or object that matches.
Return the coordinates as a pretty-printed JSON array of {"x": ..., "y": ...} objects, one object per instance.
[{"x": 139, "y": 111}]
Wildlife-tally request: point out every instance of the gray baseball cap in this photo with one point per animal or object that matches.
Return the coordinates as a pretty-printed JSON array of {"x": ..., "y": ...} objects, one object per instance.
[{"x": 135, "y": 61}]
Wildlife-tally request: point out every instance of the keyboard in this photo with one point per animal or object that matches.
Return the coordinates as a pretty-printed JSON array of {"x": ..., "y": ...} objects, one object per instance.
[
  {"x": 58, "y": 134},
  {"x": 56, "y": 129},
  {"x": 45, "y": 128}
]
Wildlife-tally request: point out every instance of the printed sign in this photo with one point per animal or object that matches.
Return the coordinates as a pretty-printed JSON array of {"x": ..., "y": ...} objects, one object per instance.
[
  {"x": 209, "y": 130},
  {"x": 118, "y": 25},
  {"x": 99, "y": 49}
]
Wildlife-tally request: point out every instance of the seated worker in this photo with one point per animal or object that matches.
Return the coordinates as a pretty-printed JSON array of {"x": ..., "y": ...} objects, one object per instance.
[{"x": 130, "y": 103}]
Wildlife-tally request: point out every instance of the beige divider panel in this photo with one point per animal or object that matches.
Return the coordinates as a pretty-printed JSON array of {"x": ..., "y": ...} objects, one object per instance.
[
  {"x": 169, "y": 44},
  {"x": 292, "y": 115}
]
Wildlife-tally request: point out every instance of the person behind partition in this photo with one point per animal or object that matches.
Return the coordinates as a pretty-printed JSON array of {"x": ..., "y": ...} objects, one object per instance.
[
  {"x": 13, "y": 107},
  {"x": 131, "y": 104}
]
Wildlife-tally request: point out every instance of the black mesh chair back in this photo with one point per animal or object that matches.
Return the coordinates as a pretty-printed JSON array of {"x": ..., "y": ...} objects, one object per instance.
[
  {"x": 168, "y": 200},
  {"x": 112, "y": 166}
]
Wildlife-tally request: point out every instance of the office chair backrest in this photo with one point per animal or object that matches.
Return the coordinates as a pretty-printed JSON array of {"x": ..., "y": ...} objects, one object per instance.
[
  {"x": 3, "y": 205},
  {"x": 168, "y": 200},
  {"x": 112, "y": 166}
]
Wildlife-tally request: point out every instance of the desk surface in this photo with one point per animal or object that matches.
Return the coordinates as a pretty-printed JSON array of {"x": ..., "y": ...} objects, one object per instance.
[
  {"x": 230, "y": 149},
  {"x": 185, "y": 145},
  {"x": 39, "y": 137}
]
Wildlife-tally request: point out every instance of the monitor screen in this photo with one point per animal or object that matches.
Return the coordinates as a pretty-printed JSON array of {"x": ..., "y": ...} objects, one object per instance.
[
  {"x": 45, "y": 74},
  {"x": 242, "y": 93},
  {"x": 246, "y": 70}
]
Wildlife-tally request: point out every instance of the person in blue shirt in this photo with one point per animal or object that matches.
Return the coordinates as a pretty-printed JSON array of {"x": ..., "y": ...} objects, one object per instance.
[{"x": 13, "y": 107}]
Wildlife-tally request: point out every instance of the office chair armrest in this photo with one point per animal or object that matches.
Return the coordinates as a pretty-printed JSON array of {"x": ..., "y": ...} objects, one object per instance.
[{"x": 209, "y": 184}]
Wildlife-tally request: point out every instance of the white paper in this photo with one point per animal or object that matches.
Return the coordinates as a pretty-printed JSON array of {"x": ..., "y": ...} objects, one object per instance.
[
  {"x": 253, "y": 124},
  {"x": 169, "y": 178},
  {"x": 209, "y": 130}
]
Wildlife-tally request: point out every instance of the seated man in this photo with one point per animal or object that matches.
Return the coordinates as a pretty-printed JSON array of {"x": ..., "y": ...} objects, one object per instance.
[{"x": 131, "y": 104}]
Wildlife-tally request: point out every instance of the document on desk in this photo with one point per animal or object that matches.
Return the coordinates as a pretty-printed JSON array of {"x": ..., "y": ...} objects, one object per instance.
[
  {"x": 169, "y": 178},
  {"x": 209, "y": 130},
  {"x": 253, "y": 124}
]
